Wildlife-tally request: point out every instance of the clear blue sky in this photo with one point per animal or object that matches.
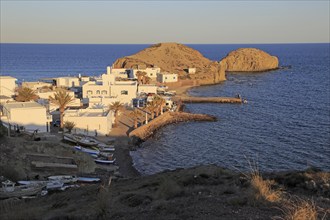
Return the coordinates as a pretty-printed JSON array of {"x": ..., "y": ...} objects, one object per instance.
[{"x": 115, "y": 22}]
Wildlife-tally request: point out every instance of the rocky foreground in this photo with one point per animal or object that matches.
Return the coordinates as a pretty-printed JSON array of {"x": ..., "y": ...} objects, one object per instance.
[{"x": 205, "y": 192}]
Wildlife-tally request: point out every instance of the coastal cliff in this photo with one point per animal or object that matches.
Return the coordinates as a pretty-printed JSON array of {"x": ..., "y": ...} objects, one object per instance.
[
  {"x": 176, "y": 58},
  {"x": 249, "y": 60}
]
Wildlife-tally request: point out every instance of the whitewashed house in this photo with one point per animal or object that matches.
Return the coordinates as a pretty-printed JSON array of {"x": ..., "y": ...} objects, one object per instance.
[
  {"x": 90, "y": 121},
  {"x": 147, "y": 89},
  {"x": 151, "y": 72},
  {"x": 67, "y": 81},
  {"x": 7, "y": 88},
  {"x": 191, "y": 70},
  {"x": 30, "y": 115},
  {"x": 36, "y": 85},
  {"x": 167, "y": 77}
]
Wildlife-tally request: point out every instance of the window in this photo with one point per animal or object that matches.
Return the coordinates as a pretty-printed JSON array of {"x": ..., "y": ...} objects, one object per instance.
[
  {"x": 165, "y": 77},
  {"x": 89, "y": 92},
  {"x": 104, "y": 92},
  {"x": 174, "y": 77},
  {"x": 124, "y": 92},
  {"x": 97, "y": 92}
]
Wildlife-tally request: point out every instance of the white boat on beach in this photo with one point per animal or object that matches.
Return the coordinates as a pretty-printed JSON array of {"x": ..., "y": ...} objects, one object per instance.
[
  {"x": 86, "y": 150},
  {"x": 63, "y": 178},
  {"x": 88, "y": 179},
  {"x": 106, "y": 148},
  {"x": 105, "y": 161},
  {"x": 9, "y": 190},
  {"x": 50, "y": 185}
]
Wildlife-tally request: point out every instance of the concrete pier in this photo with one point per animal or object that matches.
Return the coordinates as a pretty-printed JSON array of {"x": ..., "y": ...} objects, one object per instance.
[
  {"x": 147, "y": 130},
  {"x": 190, "y": 99}
]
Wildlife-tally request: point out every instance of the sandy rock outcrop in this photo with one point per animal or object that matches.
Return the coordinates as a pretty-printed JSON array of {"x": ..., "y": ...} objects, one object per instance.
[
  {"x": 175, "y": 58},
  {"x": 249, "y": 60}
]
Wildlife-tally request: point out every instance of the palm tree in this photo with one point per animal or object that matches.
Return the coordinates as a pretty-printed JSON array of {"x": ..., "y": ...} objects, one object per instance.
[
  {"x": 160, "y": 104},
  {"x": 140, "y": 76},
  {"x": 146, "y": 80},
  {"x": 135, "y": 115},
  {"x": 61, "y": 99},
  {"x": 152, "y": 107},
  {"x": 25, "y": 94},
  {"x": 116, "y": 107}
]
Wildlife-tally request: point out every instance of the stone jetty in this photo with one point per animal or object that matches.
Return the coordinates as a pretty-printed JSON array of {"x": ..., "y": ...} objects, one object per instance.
[
  {"x": 145, "y": 131},
  {"x": 190, "y": 99}
]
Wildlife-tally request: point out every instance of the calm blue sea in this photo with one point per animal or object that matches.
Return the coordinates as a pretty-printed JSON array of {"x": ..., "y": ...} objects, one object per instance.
[{"x": 284, "y": 126}]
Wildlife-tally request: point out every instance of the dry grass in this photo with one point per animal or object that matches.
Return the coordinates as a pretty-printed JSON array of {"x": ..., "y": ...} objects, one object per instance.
[
  {"x": 299, "y": 209},
  {"x": 264, "y": 189}
]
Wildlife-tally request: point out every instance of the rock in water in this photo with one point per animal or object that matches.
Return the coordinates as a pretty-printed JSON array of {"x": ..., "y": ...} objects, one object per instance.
[
  {"x": 250, "y": 60},
  {"x": 175, "y": 58}
]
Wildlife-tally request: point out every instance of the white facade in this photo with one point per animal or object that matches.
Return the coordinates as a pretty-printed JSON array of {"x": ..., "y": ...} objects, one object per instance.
[
  {"x": 167, "y": 77},
  {"x": 119, "y": 72},
  {"x": 151, "y": 72},
  {"x": 36, "y": 85},
  {"x": 125, "y": 92},
  {"x": 31, "y": 115},
  {"x": 7, "y": 86},
  {"x": 67, "y": 81},
  {"x": 90, "y": 121},
  {"x": 191, "y": 70},
  {"x": 93, "y": 89},
  {"x": 147, "y": 89}
]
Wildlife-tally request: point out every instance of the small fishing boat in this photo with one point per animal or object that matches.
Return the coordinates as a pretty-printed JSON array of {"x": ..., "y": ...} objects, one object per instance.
[
  {"x": 70, "y": 138},
  {"x": 106, "y": 148},
  {"x": 86, "y": 150},
  {"x": 105, "y": 161},
  {"x": 9, "y": 190},
  {"x": 87, "y": 142},
  {"x": 50, "y": 185},
  {"x": 64, "y": 178},
  {"x": 88, "y": 179}
]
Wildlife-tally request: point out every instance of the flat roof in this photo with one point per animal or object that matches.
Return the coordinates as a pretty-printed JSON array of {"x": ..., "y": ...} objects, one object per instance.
[
  {"x": 7, "y": 77},
  {"x": 14, "y": 105}
]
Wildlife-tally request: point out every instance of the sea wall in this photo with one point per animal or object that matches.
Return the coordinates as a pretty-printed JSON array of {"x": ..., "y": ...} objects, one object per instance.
[{"x": 145, "y": 131}]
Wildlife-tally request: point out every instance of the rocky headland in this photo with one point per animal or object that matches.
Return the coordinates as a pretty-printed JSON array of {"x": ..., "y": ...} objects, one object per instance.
[
  {"x": 249, "y": 60},
  {"x": 177, "y": 58}
]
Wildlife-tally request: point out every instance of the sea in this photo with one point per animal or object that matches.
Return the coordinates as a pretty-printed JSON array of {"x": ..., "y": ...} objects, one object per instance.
[{"x": 284, "y": 126}]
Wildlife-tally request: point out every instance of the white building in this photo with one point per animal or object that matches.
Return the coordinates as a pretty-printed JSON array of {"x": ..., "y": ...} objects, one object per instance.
[
  {"x": 191, "y": 70},
  {"x": 151, "y": 72},
  {"x": 90, "y": 121},
  {"x": 7, "y": 88},
  {"x": 124, "y": 91},
  {"x": 30, "y": 115},
  {"x": 119, "y": 72},
  {"x": 36, "y": 85},
  {"x": 67, "y": 82},
  {"x": 147, "y": 89},
  {"x": 167, "y": 77},
  {"x": 108, "y": 88}
]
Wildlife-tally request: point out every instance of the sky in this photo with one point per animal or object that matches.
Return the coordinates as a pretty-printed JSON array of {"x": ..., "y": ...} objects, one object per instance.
[{"x": 146, "y": 22}]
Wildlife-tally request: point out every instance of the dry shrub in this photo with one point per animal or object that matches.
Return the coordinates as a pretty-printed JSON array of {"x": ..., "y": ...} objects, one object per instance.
[
  {"x": 299, "y": 209},
  {"x": 264, "y": 189}
]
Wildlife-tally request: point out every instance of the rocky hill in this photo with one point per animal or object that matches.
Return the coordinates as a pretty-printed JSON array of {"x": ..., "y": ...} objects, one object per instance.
[
  {"x": 175, "y": 58},
  {"x": 249, "y": 60}
]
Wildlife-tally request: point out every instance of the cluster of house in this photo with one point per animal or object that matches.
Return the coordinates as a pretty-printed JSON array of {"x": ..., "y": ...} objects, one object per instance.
[{"x": 92, "y": 96}]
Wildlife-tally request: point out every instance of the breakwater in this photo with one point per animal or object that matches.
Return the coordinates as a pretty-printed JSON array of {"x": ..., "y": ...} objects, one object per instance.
[
  {"x": 190, "y": 99},
  {"x": 145, "y": 131}
]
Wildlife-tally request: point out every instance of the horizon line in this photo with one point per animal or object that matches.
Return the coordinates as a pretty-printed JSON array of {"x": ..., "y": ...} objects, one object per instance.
[{"x": 165, "y": 42}]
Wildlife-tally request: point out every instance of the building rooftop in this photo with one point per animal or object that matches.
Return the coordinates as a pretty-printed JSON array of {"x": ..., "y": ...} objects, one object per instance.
[
  {"x": 7, "y": 77},
  {"x": 15, "y": 105}
]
